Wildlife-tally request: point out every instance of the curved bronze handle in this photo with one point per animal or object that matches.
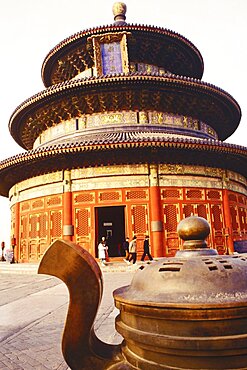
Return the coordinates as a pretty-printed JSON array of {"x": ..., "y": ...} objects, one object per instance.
[{"x": 82, "y": 275}]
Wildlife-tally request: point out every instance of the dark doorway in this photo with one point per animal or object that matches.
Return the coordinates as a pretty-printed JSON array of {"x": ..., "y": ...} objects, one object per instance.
[{"x": 110, "y": 223}]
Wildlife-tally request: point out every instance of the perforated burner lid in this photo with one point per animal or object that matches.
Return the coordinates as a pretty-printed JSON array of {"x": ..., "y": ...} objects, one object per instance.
[
  {"x": 195, "y": 277},
  {"x": 198, "y": 280}
]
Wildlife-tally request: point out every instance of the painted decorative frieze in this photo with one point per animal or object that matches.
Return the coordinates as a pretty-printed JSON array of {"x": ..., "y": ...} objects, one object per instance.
[
  {"x": 81, "y": 173},
  {"x": 98, "y": 120}
]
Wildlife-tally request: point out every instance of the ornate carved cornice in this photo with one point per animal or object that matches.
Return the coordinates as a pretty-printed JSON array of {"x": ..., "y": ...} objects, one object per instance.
[
  {"x": 121, "y": 148},
  {"x": 137, "y": 92}
]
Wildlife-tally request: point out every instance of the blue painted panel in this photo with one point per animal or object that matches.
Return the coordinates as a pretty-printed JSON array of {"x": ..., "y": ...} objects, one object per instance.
[{"x": 111, "y": 58}]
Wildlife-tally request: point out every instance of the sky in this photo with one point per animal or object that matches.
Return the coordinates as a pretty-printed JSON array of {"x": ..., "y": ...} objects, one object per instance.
[{"x": 31, "y": 28}]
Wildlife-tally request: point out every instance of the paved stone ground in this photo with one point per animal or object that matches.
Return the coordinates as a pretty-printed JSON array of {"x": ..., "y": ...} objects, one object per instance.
[{"x": 32, "y": 314}]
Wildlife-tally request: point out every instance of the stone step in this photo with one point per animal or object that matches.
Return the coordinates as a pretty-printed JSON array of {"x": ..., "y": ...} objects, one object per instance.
[
  {"x": 18, "y": 268},
  {"x": 32, "y": 268}
]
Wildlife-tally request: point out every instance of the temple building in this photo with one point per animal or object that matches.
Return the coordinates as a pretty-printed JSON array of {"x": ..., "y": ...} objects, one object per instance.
[{"x": 125, "y": 139}]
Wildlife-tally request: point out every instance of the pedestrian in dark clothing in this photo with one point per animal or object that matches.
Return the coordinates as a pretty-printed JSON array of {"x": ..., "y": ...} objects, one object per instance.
[
  {"x": 146, "y": 249},
  {"x": 126, "y": 249}
]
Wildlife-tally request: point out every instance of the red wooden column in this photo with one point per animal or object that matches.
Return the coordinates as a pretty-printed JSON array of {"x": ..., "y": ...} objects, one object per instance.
[
  {"x": 156, "y": 216},
  {"x": 228, "y": 221},
  {"x": 68, "y": 228},
  {"x": 15, "y": 239}
]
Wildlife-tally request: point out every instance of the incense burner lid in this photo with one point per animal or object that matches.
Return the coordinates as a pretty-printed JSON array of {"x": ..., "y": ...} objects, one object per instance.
[{"x": 196, "y": 276}]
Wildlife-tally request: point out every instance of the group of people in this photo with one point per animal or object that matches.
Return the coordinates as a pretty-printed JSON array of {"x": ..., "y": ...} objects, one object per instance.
[{"x": 129, "y": 248}]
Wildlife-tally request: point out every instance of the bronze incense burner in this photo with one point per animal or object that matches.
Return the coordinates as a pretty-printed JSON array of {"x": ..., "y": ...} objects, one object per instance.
[{"x": 185, "y": 312}]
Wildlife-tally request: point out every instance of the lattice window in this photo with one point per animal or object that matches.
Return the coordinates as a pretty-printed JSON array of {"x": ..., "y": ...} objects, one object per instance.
[
  {"x": 171, "y": 193},
  {"x": 233, "y": 212},
  {"x": 172, "y": 245},
  {"x": 43, "y": 225},
  {"x": 232, "y": 197},
  {"x": 113, "y": 195},
  {"x": 213, "y": 194},
  {"x": 217, "y": 217},
  {"x": 56, "y": 224},
  {"x": 34, "y": 226},
  {"x": 202, "y": 210},
  {"x": 194, "y": 194},
  {"x": 170, "y": 212},
  {"x": 136, "y": 194},
  {"x": 84, "y": 198},
  {"x": 139, "y": 219},
  {"x": 23, "y": 249},
  {"x": 241, "y": 199},
  {"x": 25, "y": 206},
  {"x": 241, "y": 212},
  {"x": 245, "y": 219},
  {"x": 32, "y": 249},
  {"x": 24, "y": 227},
  {"x": 188, "y": 210},
  {"x": 38, "y": 204},
  {"x": 82, "y": 222},
  {"x": 42, "y": 247},
  {"x": 54, "y": 201}
]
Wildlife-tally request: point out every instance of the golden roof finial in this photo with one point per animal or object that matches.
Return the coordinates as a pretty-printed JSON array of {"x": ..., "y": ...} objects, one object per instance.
[{"x": 119, "y": 10}]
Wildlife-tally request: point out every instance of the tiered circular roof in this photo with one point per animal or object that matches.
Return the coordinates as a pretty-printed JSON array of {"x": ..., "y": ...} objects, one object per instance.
[
  {"x": 169, "y": 93},
  {"x": 146, "y": 44}
]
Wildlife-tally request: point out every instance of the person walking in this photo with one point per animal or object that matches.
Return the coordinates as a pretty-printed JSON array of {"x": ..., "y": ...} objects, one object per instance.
[
  {"x": 126, "y": 249},
  {"x": 3, "y": 246},
  {"x": 146, "y": 250},
  {"x": 102, "y": 250},
  {"x": 132, "y": 250}
]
